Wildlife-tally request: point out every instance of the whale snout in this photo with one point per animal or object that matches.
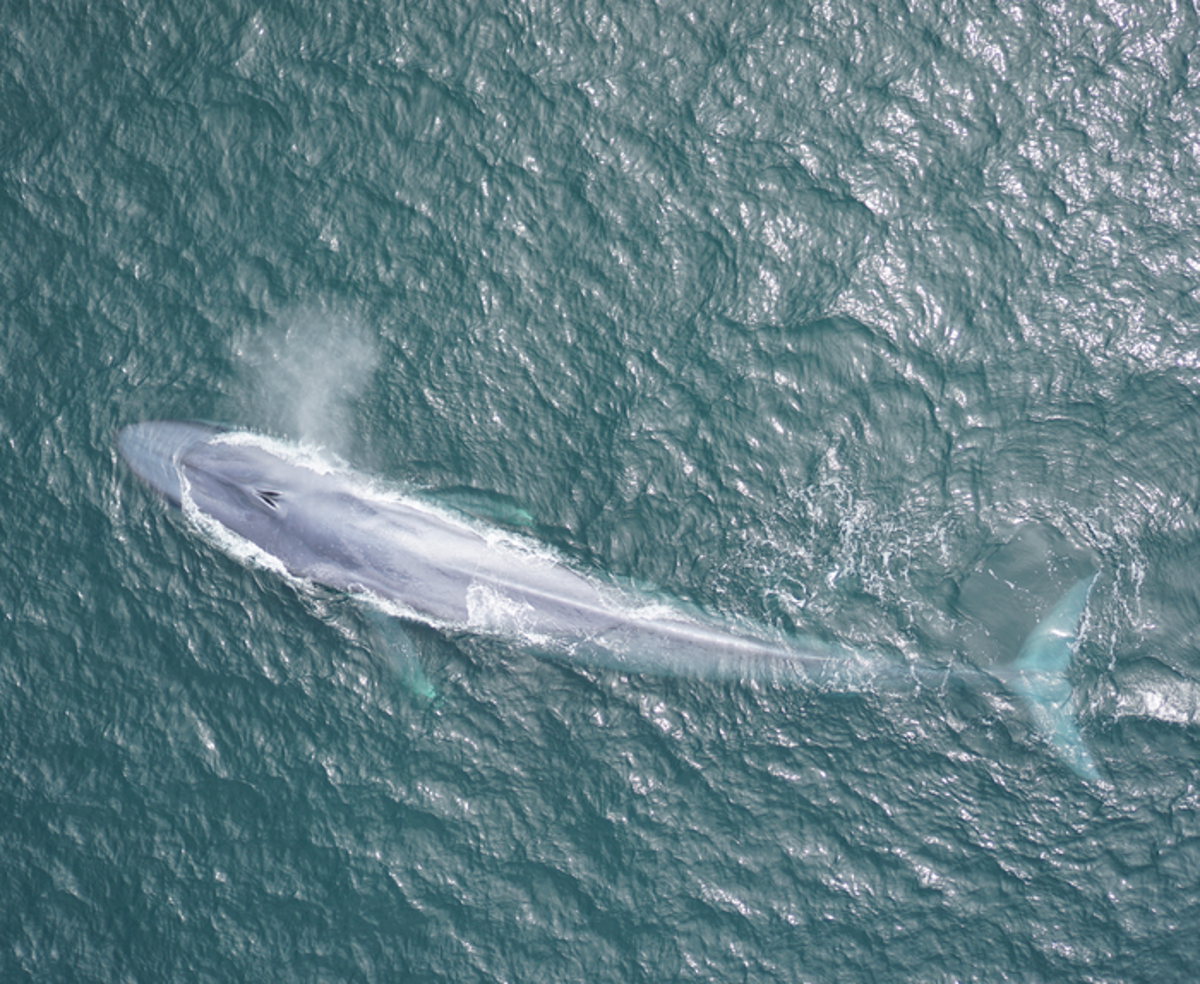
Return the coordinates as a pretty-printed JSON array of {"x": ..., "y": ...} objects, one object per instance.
[{"x": 153, "y": 449}]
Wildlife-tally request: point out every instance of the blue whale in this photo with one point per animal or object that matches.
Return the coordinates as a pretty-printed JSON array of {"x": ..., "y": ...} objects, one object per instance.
[{"x": 281, "y": 507}]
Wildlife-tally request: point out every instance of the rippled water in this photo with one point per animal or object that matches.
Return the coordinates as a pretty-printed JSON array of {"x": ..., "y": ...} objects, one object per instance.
[{"x": 874, "y": 322}]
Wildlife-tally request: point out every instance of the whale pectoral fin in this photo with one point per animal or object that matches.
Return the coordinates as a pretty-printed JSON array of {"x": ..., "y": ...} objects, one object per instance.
[
  {"x": 409, "y": 669},
  {"x": 491, "y": 507},
  {"x": 392, "y": 638},
  {"x": 1039, "y": 678}
]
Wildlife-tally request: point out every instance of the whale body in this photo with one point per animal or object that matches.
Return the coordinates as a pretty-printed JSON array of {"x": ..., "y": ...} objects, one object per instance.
[{"x": 286, "y": 509}]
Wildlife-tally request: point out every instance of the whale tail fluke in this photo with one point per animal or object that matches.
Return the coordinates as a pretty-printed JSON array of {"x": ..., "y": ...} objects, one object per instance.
[{"x": 1039, "y": 677}]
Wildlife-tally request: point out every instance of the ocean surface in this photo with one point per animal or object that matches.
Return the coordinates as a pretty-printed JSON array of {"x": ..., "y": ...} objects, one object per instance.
[{"x": 878, "y": 322}]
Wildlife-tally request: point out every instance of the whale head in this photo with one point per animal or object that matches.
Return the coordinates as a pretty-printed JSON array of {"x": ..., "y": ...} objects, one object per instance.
[
  {"x": 155, "y": 448},
  {"x": 288, "y": 509}
]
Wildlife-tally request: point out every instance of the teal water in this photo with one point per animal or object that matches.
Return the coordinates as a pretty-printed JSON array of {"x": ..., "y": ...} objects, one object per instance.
[{"x": 828, "y": 317}]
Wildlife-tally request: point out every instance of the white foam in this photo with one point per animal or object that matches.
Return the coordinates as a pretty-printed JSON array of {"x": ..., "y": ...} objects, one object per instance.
[
  {"x": 490, "y": 611},
  {"x": 302, "y": 454}
]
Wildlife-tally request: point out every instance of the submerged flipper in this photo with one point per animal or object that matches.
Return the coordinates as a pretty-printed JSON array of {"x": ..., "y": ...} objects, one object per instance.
[
  {"x": 403, "y": 655},
  {"x": 491, "y": 507},
  {"x": 1039, "y": 677}
]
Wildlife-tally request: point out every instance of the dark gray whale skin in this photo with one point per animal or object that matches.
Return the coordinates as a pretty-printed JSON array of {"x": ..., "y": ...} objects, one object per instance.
[{"x": 332, "y": 527}]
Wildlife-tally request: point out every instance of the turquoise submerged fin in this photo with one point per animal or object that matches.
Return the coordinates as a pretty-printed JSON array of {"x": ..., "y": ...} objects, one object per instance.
[
  {"x": 409, "y": 669},
  {"x": 492, "y": 507},
  {"x": 403, "y": 655},
  {"x": 1039, "y": 677}
]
